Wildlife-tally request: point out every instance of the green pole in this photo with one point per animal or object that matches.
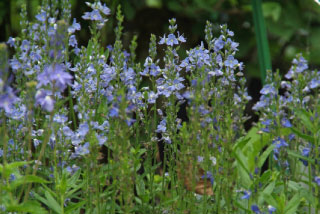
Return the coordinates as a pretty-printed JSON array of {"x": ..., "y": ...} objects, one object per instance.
[{"x": 262, "y": 40}]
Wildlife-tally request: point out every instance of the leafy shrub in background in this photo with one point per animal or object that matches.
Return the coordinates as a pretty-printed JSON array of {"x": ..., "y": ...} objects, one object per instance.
[{"x": 90, "y": 130}]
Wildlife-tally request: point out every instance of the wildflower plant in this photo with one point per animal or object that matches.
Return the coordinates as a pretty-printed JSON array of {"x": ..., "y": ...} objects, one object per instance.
[{"x": 90, "y": 129}]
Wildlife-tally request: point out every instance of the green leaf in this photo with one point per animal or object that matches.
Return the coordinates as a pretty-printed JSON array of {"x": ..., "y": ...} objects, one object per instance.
[
  {"x": 11, "y": 167},
  {"x": 27, "y": 179},
  {"x": 293, "y": 204},
  {"x": 71, "y": 208},
  {"x": 31, "y": 206},
  {"x": 270, "y": 200},
  {"x": 303, "y": 136},
  {"x": 243, "y": 171},
  {"x": 265, "y": 155},
  {"x": 272, "y": 10},
  {"x": 267, "y": 191},
  {"x": 52, "y": 203},
  {"x": 262, "y": 40},
  {"x": 305, "y": 117},
  {"x": 297, "y": 155}
]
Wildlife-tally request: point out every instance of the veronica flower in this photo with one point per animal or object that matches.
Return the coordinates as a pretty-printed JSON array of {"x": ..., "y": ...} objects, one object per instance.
[
  {"x": 286, "y": 123},
  {"x": 82, "y": 150},
  {"x": 161, "y": 128},
  {"x": 42, "y": 16},
  {"x": 231, "y": 62},
  {"x": 271, "y": 209},
  {"x": 317, "y": 180},
  {"x": 7, "y": 100},
  {"x": 218, "y": 44},
  {"x": 44, "y": 99},
  {"x": 246, "y": 194},
  {"x": 255, "y": 209},
  {"x": 56, "y": 74},
  {"x": 75, "y": 26},
  {"x": 208, "y": 175},
  {"x": 11, "y": 42}
]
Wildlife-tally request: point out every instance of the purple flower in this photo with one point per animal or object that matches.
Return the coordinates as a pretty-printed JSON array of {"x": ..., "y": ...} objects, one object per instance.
[
  {"x": 301, "y": 64},
  {"x": 317, "y": 180},
  {"x": 305, "y": 152},
  {"x": 104, "y": 9},
  {"x": 286, "y": 123},
  {"x": 7, "y": 100},
  {"x": 75, "y": 26},
  {"x": 231, "y": 62},
  {"x": 219, "y": 44},
  {"x": 56, "y": 74},
  {"x": 181, "y": 38},
  {"x": 25, "y": 46},
  {"x": 11, "y": 42},
  {"x": 82, "y": 150},
  {"x": 268, "y": 89},
  {"x": 200, "y": 159},
  {"x": 73, "y": 41},
  {"x": 314, "y": 83},
  {"x": 271, "y": 209},
  {"x": 44, "y": 99},
  {"x": 152, "y": 97},
  {"x": 42, "y": 16},
  {"x": 255, "y": 209},
  {"x": 172, "y": 40},
  {"x": 246, "y": 194},
  {"x": 208, "y": 175},
  {"x": 161, "y": 128},
  {"x": 114, "y": 112},
  {"x": 83, "y": 129},
  {"x": 93, "y": 16},
  {"x": 15, "y": 64}
]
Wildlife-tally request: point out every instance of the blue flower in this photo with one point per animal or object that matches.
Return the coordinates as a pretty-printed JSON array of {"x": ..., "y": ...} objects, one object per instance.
[
  {"x": 219, "y": 44},
  {"x": 286, "y": 123},
  {"x": 268, "y": 89},
  {"x": 231, "y": 62},
  {"x": 82, "y": 150},
  {"x": 314, "y": 83},
  {"x": 11, "y": 42},
  {"x": 161, "y": 128},
  {"x": 44, "y": 99},
  {"x": 271, "y": 209},
  {"x": 255, "y": 209},
  {"x": 305, "y": 152},
  {"x": 152, "y": 97},
  {"x": 56, "y": 74},
  {"x": 73, "y": 41},
  {"x": 181, "y": 38},
  {"x": 75, "y": 26},
  {"x": 279, "y": 143},
  {"x": 208, "y": 175},
  {"x": 301, "y": 64},
  {"x": 93, "y": 16},
  {"x": 246, "y": 194},
  {"x": 7, "y": 100},
  {"x": 83, "y": 129},
  {"x": 114, "y": 112},
  {"x": 25, "y": 45},
  {"x": 317, "y": 180},
  {"x": 15, "y": 64},
  {"x": 172, "y": 40},
  {"x": 42, "y": 16}
]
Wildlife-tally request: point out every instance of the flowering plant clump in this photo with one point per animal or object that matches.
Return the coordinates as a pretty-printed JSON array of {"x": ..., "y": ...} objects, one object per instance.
[{"x": 91, "y": 130}]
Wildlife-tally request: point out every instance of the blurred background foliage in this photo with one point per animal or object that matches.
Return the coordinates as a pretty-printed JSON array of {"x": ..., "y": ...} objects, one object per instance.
[{"x": 293, "y": 26}]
